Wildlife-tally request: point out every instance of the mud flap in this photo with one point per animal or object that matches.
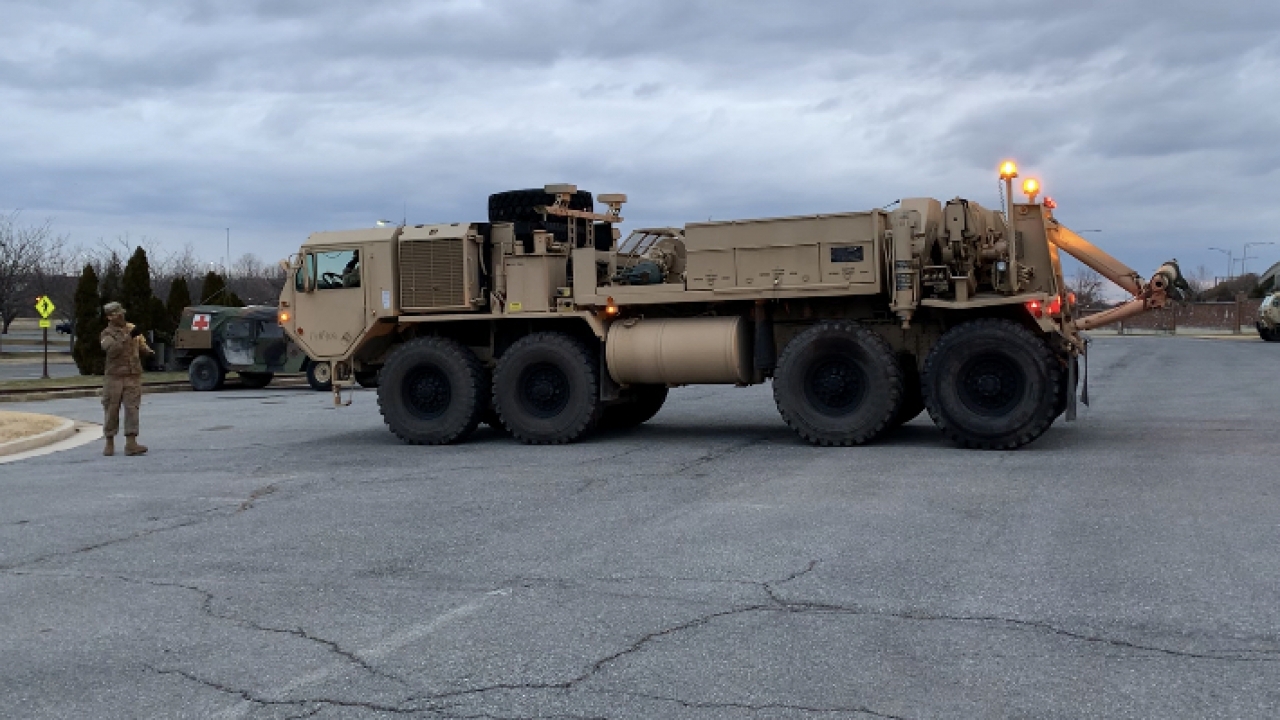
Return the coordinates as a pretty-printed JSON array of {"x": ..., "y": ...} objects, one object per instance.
[
  {"x": 1084, "y": 392},
  {"x": 1072, "y": 380}
]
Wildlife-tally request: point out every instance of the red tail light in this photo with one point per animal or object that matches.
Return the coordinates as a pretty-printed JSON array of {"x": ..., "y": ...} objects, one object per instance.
[
  {"x": 1055, "y": 306},
  {"x": 1035, "y": 308}
]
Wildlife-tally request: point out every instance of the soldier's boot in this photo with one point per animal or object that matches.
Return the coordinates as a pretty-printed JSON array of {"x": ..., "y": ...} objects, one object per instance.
[
  {"x": 131, "y": 446},
  {"x": 110, "y": 449}
]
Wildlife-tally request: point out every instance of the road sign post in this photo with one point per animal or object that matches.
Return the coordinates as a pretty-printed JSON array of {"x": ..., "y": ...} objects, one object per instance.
[{"x": 45, "y": 307}]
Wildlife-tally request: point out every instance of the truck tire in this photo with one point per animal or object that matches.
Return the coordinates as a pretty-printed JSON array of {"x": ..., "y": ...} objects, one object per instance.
[
  {"x": 431, "y": 391},
  {"x": 319, "y": 376},
  {"x": 912, "y": 396},
  {"x": 367, "y": 378},
  {"x": 838, "y": 383},
  {"x": 206, "y": 374},
  {"x": 645, "y": 402},
  {"x": 546, "y": 389},
  {"x": 255, "y": 380},
  {"x": 992, "y": 384},
  {"x": 518, "y": 205}
]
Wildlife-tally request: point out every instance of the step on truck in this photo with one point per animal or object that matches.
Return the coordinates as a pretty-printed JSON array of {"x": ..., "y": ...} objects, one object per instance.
[{"x": 545, "y": 323}]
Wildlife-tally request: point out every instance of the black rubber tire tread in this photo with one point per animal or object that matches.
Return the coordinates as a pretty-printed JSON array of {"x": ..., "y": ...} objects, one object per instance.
[
  {"x": 466, "y": 379},
  {"x": 645, "y": 402},
  {"x": 1269, "y": 335},
  {"x": 1064, "y": 390},
  {"x": 315, "y": 382},
  {"x": 583, "y": 409},
  {"x": 205, "y": 374},
  {"x": 368, "y": 378},
  {"x": 883, "y": 386},
  {"x": 912, "y": 396},
  {"x": 1034, "y": 412},
  {"x": 255, "y": 380},
  {"x": 518, "y": 205}
]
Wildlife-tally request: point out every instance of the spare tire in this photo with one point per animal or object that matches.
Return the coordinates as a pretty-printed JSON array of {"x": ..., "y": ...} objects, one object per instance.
[{"x": 520, "y": 205}]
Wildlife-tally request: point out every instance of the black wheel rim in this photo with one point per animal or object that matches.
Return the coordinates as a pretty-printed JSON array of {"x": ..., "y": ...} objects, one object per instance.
[
  {"x": 544, "y": 390},
  {"x": 204, "y": 373},
  {"x": 835, "y": 385},
  {"x": 991, "y": 384},
  {"x": 427, "y": 393}
]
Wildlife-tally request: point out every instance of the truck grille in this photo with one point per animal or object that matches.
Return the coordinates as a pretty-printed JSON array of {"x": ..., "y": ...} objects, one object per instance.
[{"x": 431, "y": 274}]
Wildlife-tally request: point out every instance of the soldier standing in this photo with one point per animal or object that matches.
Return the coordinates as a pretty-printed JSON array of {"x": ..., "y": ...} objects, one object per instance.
[{"x": 122, "y": 382}]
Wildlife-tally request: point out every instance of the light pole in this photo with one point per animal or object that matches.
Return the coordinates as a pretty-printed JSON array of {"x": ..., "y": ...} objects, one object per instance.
[
  {"x": 1231, "y": 263},
  {"x": 1245, "y": 257},
  {"x": 227, "y": 258}
]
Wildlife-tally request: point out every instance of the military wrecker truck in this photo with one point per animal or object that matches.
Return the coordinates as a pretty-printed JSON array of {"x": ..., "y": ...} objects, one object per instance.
[{"x": 541, "y": 321}]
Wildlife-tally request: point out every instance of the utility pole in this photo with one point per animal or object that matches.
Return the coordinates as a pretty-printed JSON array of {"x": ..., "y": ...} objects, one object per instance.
[{"x": 227, "y": 263}]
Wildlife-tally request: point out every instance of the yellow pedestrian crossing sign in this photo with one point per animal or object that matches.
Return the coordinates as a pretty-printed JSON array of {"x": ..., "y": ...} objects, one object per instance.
[{"x": 44, "y": 306}]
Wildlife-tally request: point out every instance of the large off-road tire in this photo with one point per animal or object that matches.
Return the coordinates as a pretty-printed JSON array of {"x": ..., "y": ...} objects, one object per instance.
[
  {"x": 367, "y": 378},
  {"x": 432, "y": 391},
  {"x": 838, "y": 383},
  {"x": 1064, "y": 389},
  {"x": 644, "y": 403},
  {"x": 320, "y": 376},
  {"x": 912, "y": 396},
  {"x": 518, "y": 205},
  {"x": 1268, "y": 334},
  {"x": 206, "y": 374},
  {"x": 546, "y": 389},
  {"x": 992, "y": 384},
  {"x": 255, "y": 380}
]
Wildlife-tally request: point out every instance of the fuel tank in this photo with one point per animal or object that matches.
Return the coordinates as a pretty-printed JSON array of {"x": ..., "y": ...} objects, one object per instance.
[{"x": 679, "y": 351}]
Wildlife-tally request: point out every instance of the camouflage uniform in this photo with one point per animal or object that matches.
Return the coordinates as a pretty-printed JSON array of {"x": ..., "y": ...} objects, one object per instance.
[{"x": 122, "y": 382}]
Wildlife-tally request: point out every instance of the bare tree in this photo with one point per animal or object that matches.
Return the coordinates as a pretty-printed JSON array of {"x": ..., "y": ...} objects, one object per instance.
[
  {"x": 1087, "y": 284},
  {"x": 1201, "y": 279},
  {"x": 256, "y": 282},
  {"x": 22, "y": 249}
]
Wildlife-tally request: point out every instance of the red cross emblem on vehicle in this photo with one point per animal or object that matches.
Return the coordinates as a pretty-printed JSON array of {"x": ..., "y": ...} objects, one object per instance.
[{"x": 200, "y": 322}]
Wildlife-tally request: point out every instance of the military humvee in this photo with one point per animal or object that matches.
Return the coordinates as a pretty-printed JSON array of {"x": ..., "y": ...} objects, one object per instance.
[
  {"x": 213, "y": 340},
  {"x": 1268, "y": 322},
  {"x": 544, "y": 321}
]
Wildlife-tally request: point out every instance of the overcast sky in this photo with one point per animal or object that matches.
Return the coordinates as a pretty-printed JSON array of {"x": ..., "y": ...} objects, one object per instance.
[{"x": 1156, "y": 123}]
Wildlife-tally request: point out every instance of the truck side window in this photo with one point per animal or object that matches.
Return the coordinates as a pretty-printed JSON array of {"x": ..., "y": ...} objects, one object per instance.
[
  {"x": 307, "y": 270},
  {"x": 337, "y": 269}
]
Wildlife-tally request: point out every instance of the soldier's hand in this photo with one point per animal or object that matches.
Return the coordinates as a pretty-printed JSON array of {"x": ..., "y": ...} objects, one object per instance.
[{"x": 134, "y": 331}]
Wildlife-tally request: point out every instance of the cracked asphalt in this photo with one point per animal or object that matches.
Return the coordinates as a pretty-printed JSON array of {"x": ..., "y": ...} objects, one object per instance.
[{"x": 273, "y": 557}]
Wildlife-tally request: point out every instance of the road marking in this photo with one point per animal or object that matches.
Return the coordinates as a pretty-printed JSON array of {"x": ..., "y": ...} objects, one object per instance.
[{"x": 377, "y": 651}]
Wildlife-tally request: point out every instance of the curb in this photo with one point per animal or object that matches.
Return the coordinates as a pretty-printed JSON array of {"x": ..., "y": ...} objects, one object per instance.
[
  {"x": 78, "y": 393},
  {"x": 48, "y": 437}
]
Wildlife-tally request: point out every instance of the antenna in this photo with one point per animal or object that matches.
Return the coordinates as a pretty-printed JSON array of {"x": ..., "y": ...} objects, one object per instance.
[{"x": 405, "y": 220}]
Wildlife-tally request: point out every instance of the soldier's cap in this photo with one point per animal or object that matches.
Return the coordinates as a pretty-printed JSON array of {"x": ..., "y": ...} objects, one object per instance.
[{"x": 112, "y": 308}]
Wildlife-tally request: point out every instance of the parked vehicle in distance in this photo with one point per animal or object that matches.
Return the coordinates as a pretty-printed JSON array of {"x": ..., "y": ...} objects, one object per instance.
[{"x": 213, "y": 340}]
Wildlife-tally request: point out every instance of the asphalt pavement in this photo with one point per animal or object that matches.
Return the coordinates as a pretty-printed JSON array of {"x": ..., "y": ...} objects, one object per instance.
[{"x": 275, "y": 557}]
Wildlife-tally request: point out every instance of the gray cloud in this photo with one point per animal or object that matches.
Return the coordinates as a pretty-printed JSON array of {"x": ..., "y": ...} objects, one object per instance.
[{"x": 281, "y": 118}]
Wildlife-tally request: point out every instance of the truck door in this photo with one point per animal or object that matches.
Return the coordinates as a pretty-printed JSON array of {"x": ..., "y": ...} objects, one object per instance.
[
  {"x": 335, "y": 308},
  {"x": 238, "y": 342}
]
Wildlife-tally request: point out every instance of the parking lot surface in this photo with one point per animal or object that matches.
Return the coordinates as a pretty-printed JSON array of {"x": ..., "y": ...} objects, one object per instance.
[{"x": 273, "y": 557}]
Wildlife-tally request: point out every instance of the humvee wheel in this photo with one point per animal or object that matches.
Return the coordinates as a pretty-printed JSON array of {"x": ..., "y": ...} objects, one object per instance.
[
  {"x": 320, "y": 376},
  {"x": 645, "y": 402},
  {"x": 1269, "y": 335},
  {"x": 205, "y": 374},
  {"x": 912, "y": 397},
  {"x": 991, "y": 384},
  {"x": 431, "y": 391},
  {"x": 546, "y": 389},
  {"x": 838, "y": 383},
  {"x": 255, "y": 380}
]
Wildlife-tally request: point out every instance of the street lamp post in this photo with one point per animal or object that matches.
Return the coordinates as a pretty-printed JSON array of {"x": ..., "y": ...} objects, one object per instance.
[
  {"x": 1245, "y": 257},
  {"x": 1231, "y": 263}
]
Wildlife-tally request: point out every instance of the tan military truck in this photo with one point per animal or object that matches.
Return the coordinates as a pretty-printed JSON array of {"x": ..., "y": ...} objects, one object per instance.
[
  {"x": 541, "y": 321},
  {"x": 1268, "y": 322}
]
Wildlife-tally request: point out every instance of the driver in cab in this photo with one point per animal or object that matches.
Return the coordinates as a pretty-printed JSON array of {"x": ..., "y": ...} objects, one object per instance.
[{"x": 351, "y": 273}]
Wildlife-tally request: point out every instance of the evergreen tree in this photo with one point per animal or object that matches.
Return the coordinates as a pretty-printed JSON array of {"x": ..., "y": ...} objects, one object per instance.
[
  {"x": 135, "y": 291},
  {"x": 109, "y": 287},
  {"x": 214, "y": 291},
  {"x": 179, "y": 298},
  {"x": 86, "y": 351}
]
